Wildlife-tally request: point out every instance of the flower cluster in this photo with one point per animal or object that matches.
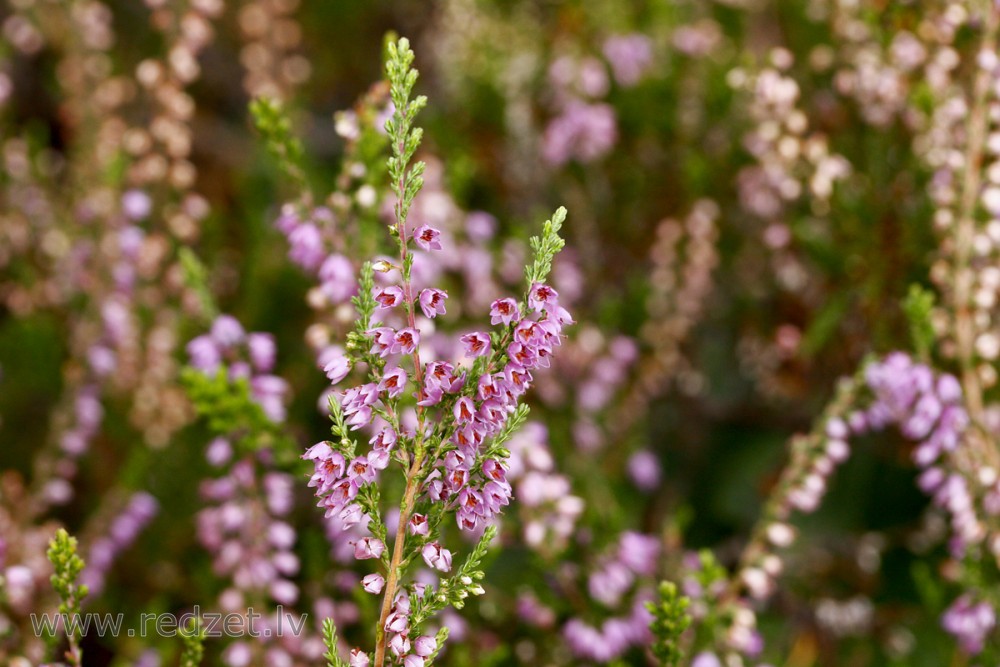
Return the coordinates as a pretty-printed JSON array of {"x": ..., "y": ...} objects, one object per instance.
[
  {"x": 630, "y": 564},
  {"x": 122, "y": 531},
  {"x": 971, "y": 622},
  {"x": 547, "y": 508},
  {"x": 250, "y": 541},
  {"x": 243, "y": 357},
  {"x": 928, "y": 409},
  {"x": 586, "y": 129},
  {"x": 245, "y": 527}
]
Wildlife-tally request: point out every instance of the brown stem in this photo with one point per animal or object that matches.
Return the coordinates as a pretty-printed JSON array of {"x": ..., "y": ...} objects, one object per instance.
[
  {"x": 392, "y": 576},
  {"x": 409, "y": 497}
]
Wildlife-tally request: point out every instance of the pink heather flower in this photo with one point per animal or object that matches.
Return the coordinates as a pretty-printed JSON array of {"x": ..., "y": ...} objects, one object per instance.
[
  {"x": 269, "y": 392},
  {"x": 521, "y": 355},
  {"x": 336, "y": 276},
  {"x": 324, "y": 216},
  {"x": 455, "y": 459},
  {"x": 644, "y": 470},
  {"x": 495, "y": 496},
  {"x": 413, "y": 660},
  {"x": 359, "y": 418},
  {"x": 130, "y": 241},
  {"x": 437, "y": 557},
  {"x": 359, "y": 658},
  {"x": 351, "y": 516},
  {"x": 470, "y": 501},
  {"x": 476, "y": 343},
  {"x": 237, "y": 654},
  {"x": 340, "y": 495},
  {"x": 397, "y": 622},
  {"x": 262, "y": 351},
  {"x": 639, "y": 552},
  {"x": 384, "y": 439},
  {"x": 373, "y": 583},
  {"x": 528, "y": 332},
  {"x": 442, "y": 374},
  {"x": 136, "y": 205},
  {"x": 465, "y": 437},
  {"x": 329, "y": 466},
  {"x": 360, "y": 471},
  {"x": 382, "y": 341},
  {"x": 504, "y": 310},
  {"x": 362, "y": 396},
  {"x": 487, "y": 387},
  {"x": 204, "y": 354},
  {"x": 629, "y": 57},
  {"x": 970, "y": 623},
  {"x": 430, "y": 394},
  {"x": 494, "y": 469},
  {"x": 306, "y": 246},
  {"x": 542, "y": 296},
  {"x": 836, "y": 428},
  {"x": 219, "y": 452},
  {"x": 337, "y": 369},
  {"x": 583, "y": 132},
  {"x": 418, "y": 525},
  {"x": 393, "y": 382},
  {"x": 480, "y": 226},
  {"x": 432, "y": 302},
  {"x": 368, "y": 547},
  {"x": 103, "y": 361},
  {"x": 288, "y": 219},
  {"x": 706, "y": 659},
  {"x": 399, "y": 644},
  {"x": 406, "y": 341},
  {"x": 428, "y": 238},
  {"x": 609, "y": 583},
  {"x": 284, "y": 592},
  {"x": 424, "y": 645},
  {"x": 227, "y": 331},
  {"x": 464, "y": 410},
  {"x": 388, "y": 297},
  {"x": 948, "y": 389},
  {"x": 517, "y": 379},
  {"x": 379, "y": 459}
]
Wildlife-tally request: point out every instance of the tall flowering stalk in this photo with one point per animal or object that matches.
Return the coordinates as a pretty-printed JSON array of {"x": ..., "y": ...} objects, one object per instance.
[{"x": 443, "y": 422}]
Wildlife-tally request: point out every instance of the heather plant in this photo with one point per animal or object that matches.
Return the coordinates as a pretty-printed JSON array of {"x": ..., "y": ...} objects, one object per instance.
[{"x": 451, "y": 447}]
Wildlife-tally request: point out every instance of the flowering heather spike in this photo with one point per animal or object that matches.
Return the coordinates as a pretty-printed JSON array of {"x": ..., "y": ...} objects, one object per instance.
[{"x": 451, "y": 451}]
